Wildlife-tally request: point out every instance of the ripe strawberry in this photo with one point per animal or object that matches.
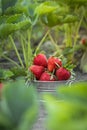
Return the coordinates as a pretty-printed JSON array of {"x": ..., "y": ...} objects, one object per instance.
[
  {"x": 40, "y": 60},
  {"x": 83, "y": 41},
  {"x": 53, "y": 63},
  {"x": 47, "y": 77},
  {"x": 1, "y": 85},
  {"x": 63, "y": 74},
  {"x": 37, "y": 70}
]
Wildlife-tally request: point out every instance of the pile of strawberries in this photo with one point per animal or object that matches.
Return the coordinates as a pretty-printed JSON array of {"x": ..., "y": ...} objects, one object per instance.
[{"x": 50, "y": 69}]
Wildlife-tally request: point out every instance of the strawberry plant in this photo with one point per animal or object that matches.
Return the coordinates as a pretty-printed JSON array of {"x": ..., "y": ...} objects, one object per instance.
[
  {"x": 18, "y": 106},
  {"x": 65, "y": 16},
  {"x": 68, "y": 109},
  {"x": 11, "y": 20},
  {"x": 18, "y": 20},
  {"x": 5, "y": 74}
]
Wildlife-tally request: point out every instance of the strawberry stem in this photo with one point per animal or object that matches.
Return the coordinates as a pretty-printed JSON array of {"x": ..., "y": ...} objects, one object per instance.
[{"x": 57, "y": 65}]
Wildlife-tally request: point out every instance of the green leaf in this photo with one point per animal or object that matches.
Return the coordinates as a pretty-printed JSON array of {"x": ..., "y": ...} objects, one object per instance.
[
  {"x": 7, "y": 3},
  {"x": 5, "y": 121},
  {"x": 28, "y": 119},
  {"x": 16, "y": 18},
  {"x": 76, "y": 93},
  {"x": 18, "y": 72},
  {"x": 64, "y": 115},
  {"x": 17, "y": 9},
  {"x": 83, "y": 62},
  {"x": 8, "y": 28},
  {"x": 73, "y": 2},
  {"x": 68, "y": 111},
  {"x": 54, "y": 19},
  {"x": 13, "y": 23},
  {"x": 22, "y": 103},
  {"x": 44, "y": 8},
  {"x": 13, "y": 18},
  {"x": 52, "y": 14},
  {"x": 5, "y": 74}
]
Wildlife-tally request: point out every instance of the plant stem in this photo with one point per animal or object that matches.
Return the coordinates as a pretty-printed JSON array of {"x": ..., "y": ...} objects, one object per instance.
[
  {"x": 17, "y": 53},
  {"x": 68, "y": 35},
  {"x": 23, "y": 48},
  {"x": 29, "y": 55},
  {"x": 41, "y": 41},
  {"x": 54, "y": 43},
  {"x": 12, "y": 61},
  {"x": 77, "y": 30}
]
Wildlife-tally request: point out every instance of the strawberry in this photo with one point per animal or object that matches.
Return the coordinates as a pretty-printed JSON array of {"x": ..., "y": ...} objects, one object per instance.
[
  {"x": 53, "y": 63},
  {"x": 37, "y": 70},
  {"x": 47, "y": 77},
  {"x": 63, "y": 74},
  {"x": 83, "y": 41},
  {"x": 1, "y": 85},
  {"x": 40, "y": 60}
]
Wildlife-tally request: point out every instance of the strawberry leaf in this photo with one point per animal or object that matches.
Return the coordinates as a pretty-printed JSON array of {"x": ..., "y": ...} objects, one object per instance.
[
  {"x": 12, "y": 24},
  {"x": 19, "y": 101},
  {"x": 7, "y": 3}
]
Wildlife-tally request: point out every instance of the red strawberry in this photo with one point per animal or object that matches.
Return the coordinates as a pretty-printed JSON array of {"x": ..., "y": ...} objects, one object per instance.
[
  {"x": 37, "y": 70},
  {"x": 47, "y": 77},
  {"x": 1, "y": 85},
  {"x": 40, "y": 60},
  {"x": 83, "y": 41},
  {"x": 63, "y": 74},
  {"x": 53, "y": 63}
]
